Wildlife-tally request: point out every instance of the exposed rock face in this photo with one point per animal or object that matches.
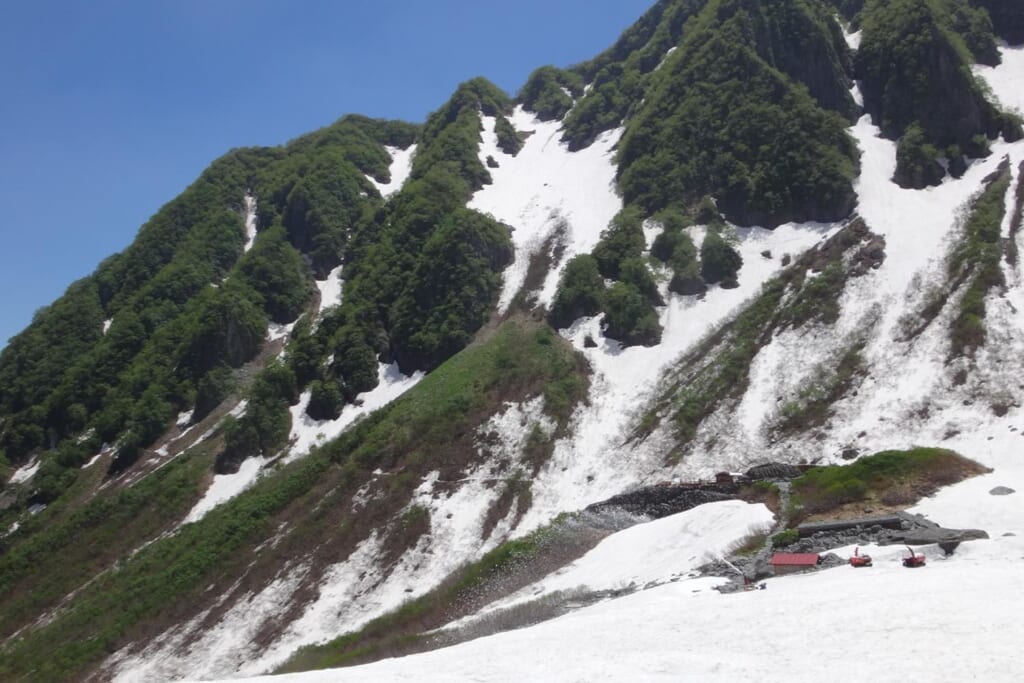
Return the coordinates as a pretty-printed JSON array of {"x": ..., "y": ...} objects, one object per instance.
[
  {"x": 774, "y": 470},
  {"x": 662, "y": 501}
]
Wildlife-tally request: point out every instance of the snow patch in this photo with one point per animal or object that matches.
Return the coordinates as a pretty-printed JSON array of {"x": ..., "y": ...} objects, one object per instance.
[
  {"x": 106, "y": 325},
  {"x": 330, "y": 289},
  {"x": 25, "y": 472},
  {"x": 226, "y": 486},
  {"x": 546, "y": 188},
  {"x": 307, "y": 432},
  {"x": 400, "y": 169},
  {"x": 250, "y": 221}
]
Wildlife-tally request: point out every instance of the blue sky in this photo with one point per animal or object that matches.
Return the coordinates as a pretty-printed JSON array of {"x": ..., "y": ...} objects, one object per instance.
[{"x": 109, "y": 108}]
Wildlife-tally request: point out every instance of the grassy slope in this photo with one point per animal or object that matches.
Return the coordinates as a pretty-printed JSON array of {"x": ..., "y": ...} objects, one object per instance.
[{"x": 431, "y": 427}]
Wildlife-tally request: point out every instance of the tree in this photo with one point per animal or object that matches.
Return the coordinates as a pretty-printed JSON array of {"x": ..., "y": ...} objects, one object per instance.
[
  {"x": 719, "y": 261},
  {"x": 580, "y": 292}
]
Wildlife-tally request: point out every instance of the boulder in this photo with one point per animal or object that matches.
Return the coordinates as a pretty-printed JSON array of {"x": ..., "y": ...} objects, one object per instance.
[{"x": 1002, "y": 491}]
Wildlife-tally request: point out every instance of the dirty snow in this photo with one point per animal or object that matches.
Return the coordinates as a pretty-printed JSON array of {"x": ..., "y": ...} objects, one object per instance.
[
  {"x": 250, "y": 221},
  {"x": 401, "y": 168},
  {"x": 25, "y": 472},
  {"x": 543, "y": 189},
  {"x": 330, "y": 289},
  {"x": 307, "y": 432}
]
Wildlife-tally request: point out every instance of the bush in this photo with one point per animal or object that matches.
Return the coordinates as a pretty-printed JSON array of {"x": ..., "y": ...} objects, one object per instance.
[
  {"x": 629, "y": 317},
  {"x": 784, "y": 538},
  {"x": 917, "y": 163},
  {"x": 580, "y": 292},
  {"x": 719, "y": 261},
  {"x": 623, "y": 239}
]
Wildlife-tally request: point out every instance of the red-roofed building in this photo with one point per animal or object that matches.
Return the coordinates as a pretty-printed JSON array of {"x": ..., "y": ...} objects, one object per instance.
[{"x": 789, "y": 563}]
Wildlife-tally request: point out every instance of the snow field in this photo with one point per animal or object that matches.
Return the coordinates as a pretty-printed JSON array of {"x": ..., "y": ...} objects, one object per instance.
[
  {"x": 653, "y": 552},
  {"x": 359, "y": 589},
  {"x": 401, "y": 169},
  {"x": 544, "y": 187}
]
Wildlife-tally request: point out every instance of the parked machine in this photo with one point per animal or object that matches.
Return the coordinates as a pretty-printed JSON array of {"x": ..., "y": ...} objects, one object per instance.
[
  {"x": 914, "y": 560},
  {"x": 859, "y": 560}
]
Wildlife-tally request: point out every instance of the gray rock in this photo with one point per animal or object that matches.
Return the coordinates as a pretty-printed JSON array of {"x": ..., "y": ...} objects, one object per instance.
[
  {"x": 936, "y": 535},
  {"x": 1002, "y": 491},
  {"x": 830, "y": 560}
]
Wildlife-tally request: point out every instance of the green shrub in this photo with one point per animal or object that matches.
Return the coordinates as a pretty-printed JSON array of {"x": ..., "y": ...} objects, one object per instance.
[
  {"x": 719, "y": 261},
  {"x": 580, "y": 292},
  {"x": 629, "y": 317}
]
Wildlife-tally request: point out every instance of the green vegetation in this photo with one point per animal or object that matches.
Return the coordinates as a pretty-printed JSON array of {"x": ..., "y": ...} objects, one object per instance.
[
  {"x": 784, "y": 538},
  {"x": 432, "y": 427},
  {"x": 580, "y": 292},
  {"x": 899, "y": 477},
  {"x": 401, "y": 629},
  {"x": 545, "y": 92},
  {"x": 914, "y": 66},
  {"x": 977, "y": 258},
  {"x": 629, "y": 317},
  {"x": 718, "y": 260},
  {"x": 721, "y": 119},
  {"x": 829, "y": 382},
  {"x": 623, "y": 239}
]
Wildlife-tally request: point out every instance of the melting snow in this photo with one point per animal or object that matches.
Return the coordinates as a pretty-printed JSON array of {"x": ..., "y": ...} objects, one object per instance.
[
  {"x": 401, "y": 169},
  {"x": 330, "y": 289},
  {"x": 225, "y": 487},
  {"x": 546, "y": 188},
  {"x": 250, "y": 221},
  {"x": 307, "y": 432},
  {"x": 25, "y": 472},
  {"x": 277, "y": 331},
  {"x": 106, "y": 325}
]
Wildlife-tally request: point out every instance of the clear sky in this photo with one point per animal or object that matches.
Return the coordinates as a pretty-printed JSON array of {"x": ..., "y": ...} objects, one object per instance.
[{"x": 110, "y": 108}]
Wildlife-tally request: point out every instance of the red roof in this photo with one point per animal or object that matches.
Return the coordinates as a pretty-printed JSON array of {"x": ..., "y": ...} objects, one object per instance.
[{"x": 797, "y": 559}]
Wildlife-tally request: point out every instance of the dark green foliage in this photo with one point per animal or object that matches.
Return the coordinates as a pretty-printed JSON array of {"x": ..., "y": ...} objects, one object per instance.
[
  {"x": 544, "y": 93},
  {"x": 325, "y": 401},
  {"x": 629, "y": 316},
  {"x": 915, "y": 71},
  {"x": 580, "y": 292},
  {"x": 634, "y": 271},
  {"x": 619, "y": 76},
  {"x": 818, "y": 298},
  {"x": 974, "y": 27},
  {"x": 1007, "y": 18},
  {"x": 917, "y": 163},
  {"x": 263, "y": 428},
  {"x": 508, "y": 139},
  {"x": 721, "y": 120},
  {"x": 276, "y": 271},
  {"x": 211, "y": 389},
  {"x": 623, "y": 239},
  {"x": 442, "y": 306},
  {"x": 785, "y": 537},
  {"x": 719, "y": 261}
]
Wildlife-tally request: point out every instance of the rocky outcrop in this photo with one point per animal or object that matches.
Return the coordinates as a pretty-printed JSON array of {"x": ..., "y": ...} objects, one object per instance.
[
  {"x": 661, "y": 501},
  {"x": 774, "y": 470}
]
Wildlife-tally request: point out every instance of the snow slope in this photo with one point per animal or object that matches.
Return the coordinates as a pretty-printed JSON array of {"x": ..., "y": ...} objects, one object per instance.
[
  {"x": 958, "y": 618},
  {"x": 401, "y": 168}
]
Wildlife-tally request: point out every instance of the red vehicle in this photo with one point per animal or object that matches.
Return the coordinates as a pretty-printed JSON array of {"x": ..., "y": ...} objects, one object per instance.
[
  {"x": 914, "y": 560},
  {"x": 859, "y": 560}
]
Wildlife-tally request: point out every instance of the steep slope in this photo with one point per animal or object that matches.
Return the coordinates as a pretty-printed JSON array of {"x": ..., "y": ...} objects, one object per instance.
[{"x": 212, "y": 429}]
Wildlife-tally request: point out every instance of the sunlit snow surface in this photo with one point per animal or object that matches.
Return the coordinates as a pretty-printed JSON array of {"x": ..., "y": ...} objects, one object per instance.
[
  {"x": 250, "y": 221},
  {"x": 307, "y": 432},
  {"x": 546, "y": 186},
  {"x": 25, "y": 472},
  {"x": 957, "y": 619},
  {"x": 330, "y": 289},
  {"x": 401, "y": 168}
]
